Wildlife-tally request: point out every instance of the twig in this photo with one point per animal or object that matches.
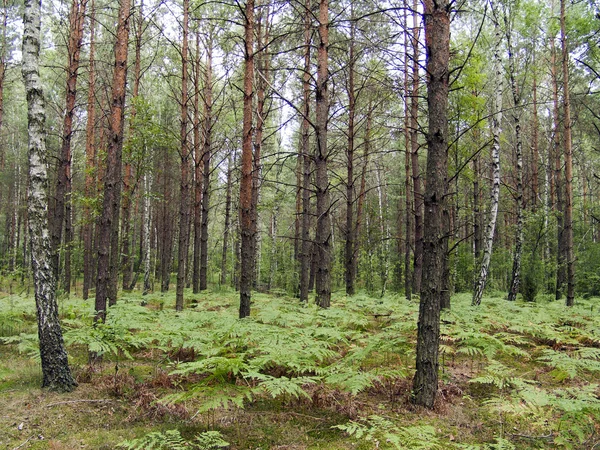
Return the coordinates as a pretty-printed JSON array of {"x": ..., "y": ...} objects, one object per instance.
[
  {"x": 28, "y": 439},
  {"x": 542, "y": 437},
  {"x": 78, "y": 401},
  {"x": 305, "y": 415}
]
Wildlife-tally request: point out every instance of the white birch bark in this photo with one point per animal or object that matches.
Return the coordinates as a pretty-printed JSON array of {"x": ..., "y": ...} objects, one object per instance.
[
  {"x": 496, "y": 120},
  {"x": 55, "y": 368}
]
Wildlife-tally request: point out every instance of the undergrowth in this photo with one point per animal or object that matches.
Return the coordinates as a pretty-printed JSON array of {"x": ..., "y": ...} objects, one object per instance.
[{"x": 519, "y": 375}]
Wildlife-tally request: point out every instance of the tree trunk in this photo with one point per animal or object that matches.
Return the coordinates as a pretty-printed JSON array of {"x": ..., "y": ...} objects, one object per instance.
[
  {"x": 407, "y": 184},
  {"x": 496, "y": 122},
  {"x": 306, "y": 247},
  {"x": 246, "y": 214},
  {"x": 437, "y": 38},
  {"x": 90, "y": 157},
  {"x": 63, "y": 181},
  {"x": 414, "y": 145},
  {"x": 230, "y": 162},
  {"x": 568, "y": 224},
  {"x": 128, "y": 182},
  {"x": 206, "y": 155},
  {"x": 350, "y": 237},
  {"x": 109, "y": 218},
  {"x": 197, "y": 174},
  {"x": 518, "y": 251},
  {"x": 534, "y": 142},
  {"x": 184, "y": 187},
  {"x": 55, "y": 367},
  {"x": 146, "y": 240},
  {"x": 559, "y": 203}
]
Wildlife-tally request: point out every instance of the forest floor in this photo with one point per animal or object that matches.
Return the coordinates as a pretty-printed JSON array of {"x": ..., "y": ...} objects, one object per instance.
[{"x": 512, "y": 375}]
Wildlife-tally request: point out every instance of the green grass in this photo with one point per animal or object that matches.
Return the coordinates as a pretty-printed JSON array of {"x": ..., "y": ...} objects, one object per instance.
[{"x": 294, "y": 376}]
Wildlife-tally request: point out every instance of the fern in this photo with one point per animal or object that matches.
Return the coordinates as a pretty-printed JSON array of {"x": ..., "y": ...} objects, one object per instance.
[
  {"x": 379, "y": 430},
  {"x": 172, "y": 440}
]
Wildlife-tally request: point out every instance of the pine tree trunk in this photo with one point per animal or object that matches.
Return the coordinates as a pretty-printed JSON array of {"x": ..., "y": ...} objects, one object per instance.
[
  {"x": 437, "y": 37},
  {"x": 146, "y": 240},
  {"x": 534, "y": 143},
  {"x": 206, "y": 155},
  {"x": 408, "y": 225},
  {"x": 63, "y": 182},
  {"x": 414, "y": 145},
  {"x": 350, "y": 237},
  {"x": 246, "y": 214},
  {"x": 496, "y": 121},
  {"x": 109, "y": 219},
  {"x": 128, "y": 182},
  {"x": 568, "y": 223},
  {"x": 184, "y": 187},
  {"x": 559, "y": 203},
  {"x": 197, "y": 174},
  {"x": 230, "y": 162},
  {"x": 306, "y": 247},
  {"x": 55, "y": 367},
  {"x": 90, "y": 157}
]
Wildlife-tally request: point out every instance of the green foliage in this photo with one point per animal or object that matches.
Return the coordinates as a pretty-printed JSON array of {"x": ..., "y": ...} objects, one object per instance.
[
  {"x": 383, "y": 433},
  {"x": 172, "y": 440}
]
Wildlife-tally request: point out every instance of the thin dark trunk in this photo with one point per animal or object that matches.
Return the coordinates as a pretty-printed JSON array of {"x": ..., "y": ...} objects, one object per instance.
[
  {"x": 197, "y": 173},
  {"x": 407, "y": 179},
  {"x": 206, "y": 155},
  {"x": 90, "y": 158},
  {"x": 230, "y": 162},
  {"x": 568, "y": 223},
  {"x": 184, "y": 187},
  {"x": 350, "y": 237},
  {"x": 306, "y": 248},
  {"x": 246, "y": 213},
  {"x": 414, "y": 145}
]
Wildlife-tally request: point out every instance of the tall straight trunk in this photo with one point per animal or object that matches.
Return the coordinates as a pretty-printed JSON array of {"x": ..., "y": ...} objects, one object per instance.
[
  {"x": 146, "y": 234},
  {"x": 197, "y": 174},
  {"x": 350, "y": 238},
  {"x": 520, "y": 198},
  {"x": 437, "y": 38},
  {"x": 90, "y": 158},
  {"x": 477, "y": 214},
  {"x": 534, "y": 143},
  {"x": 323, "y": 231},
  {"x": 496, "y": 122},
  {"x": 166, "y": 234},
  {"x": 63, "y": 182},
  {"x": 559, "y": 203},
  {"x": 246, "y": 213},
  {"x": 306, "y": 247},
  {"x": 184, "y": 186},
  {"x": 55, "y": 366},
  {"x": 414, "y": 145},
  {"x": 407, "y": 179},
  {"x": 230, "y": 162},
  {"x": 362, "y": 193},
  {"x": 109, "y": 218},
  {"x": 206, "y": 155},
  {"x": 128, "y": 182},
  {"x": 568, "y": 224}
]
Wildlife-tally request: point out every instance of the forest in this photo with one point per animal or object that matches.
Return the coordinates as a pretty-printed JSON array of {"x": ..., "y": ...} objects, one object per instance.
[{"x": 300, "y": 224}]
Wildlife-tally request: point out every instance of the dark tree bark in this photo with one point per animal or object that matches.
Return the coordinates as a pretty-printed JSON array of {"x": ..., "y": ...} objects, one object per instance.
[
  {"x": 90, "y": 157},
  {"x": 55, "y": 367},
  {"x": 230, "y": 162},
  {"x": 414, "y": 151},
  {"x": 407, "y": 184},
  {"x": 437, "y": 39},
  {"x": 197, "y": 174},
  {"x": 246, "y": 213},
  {"x": 128, "y": 178},
  {"x": 109, "y": 218},
  {"x": 350, "y": 236},
  {"x": 206, "y": 155},
  {"x": 323, "y": 233},
  {"x": 568, "y": 224},
  {"x": 306, "y": 247},
  {"x": 63, "y": 179},
  {"x": 184, "y": 186}
]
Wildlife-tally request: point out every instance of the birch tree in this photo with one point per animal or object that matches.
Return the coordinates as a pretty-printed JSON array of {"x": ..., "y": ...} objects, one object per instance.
[{"x": 55, "y": 367}]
